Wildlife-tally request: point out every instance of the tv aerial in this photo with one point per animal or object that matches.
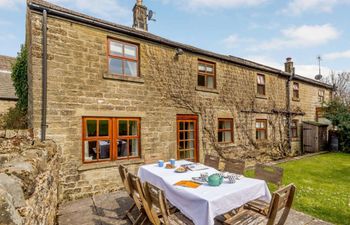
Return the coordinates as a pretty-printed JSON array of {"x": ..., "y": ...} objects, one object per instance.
[
  {"x": 319, "y": 75},
  {"x": 150, "y": 16}
]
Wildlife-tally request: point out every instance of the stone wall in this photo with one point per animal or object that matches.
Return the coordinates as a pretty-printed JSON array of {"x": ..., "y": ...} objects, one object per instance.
[
  {"x": 28, "y": 179},
  {"x": 79, "y": 85},
  {"x": 5, "y": 105}
]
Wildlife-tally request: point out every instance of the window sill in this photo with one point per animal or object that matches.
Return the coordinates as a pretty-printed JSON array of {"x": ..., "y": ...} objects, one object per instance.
[
  {"x": 296, "y": 99},
  {"x": 295, "y": 139},
  {"x": 260, "y": 96},
  {"x": 101, "y": 165},
  {"x": 227, "y": 145},
  {"x": 124, "y": 78},
  {"x": 205, "y": 89}
]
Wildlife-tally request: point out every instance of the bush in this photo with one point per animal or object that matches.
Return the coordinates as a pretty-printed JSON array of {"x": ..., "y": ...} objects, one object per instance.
[
  {"x": 339, "y": 113},
  {"x": 14, "y": 119},
  {"x": 20, "y": 80}
]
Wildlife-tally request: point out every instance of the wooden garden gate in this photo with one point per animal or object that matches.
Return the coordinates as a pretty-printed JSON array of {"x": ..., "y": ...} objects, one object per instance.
[{"x": 314, "y": 136}]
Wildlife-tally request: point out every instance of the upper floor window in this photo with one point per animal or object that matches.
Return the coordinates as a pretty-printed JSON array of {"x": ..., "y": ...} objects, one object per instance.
[
  {"x": 206, "y": 74},
  {"x": 261, "y": 129},
  {"x": 294, "y": 128},
  {"x": 110, "y": 138},
  {"x": 295, "y": 90},
  {"x": 321, "y": 95},
  {"x": 225, "y": 131},
  {"x": 261, "y": 84},
  {"x": 123, "y": 58}
]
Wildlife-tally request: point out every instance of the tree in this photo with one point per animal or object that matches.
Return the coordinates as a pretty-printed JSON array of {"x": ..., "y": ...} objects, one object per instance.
[
  {"x": 341, "y": 81},
  {"x": 339, "y": 113},
  {"x": 20, "y": 81}
]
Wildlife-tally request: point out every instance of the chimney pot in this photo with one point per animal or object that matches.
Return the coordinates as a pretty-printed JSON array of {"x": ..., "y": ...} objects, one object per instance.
[{"x": 139, "y": 2}]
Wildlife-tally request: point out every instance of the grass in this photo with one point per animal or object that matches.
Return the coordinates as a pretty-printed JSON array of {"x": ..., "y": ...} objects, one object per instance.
[{"x": 323, "y": 186}]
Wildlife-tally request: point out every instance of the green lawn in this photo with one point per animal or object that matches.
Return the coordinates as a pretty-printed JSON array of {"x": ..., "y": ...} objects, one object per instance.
[{"x": 323, "y": 186}]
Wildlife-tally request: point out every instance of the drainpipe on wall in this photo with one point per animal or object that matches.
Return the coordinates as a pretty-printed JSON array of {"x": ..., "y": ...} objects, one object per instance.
[
  {"x": 44, "y": 77},
  {"x": 289, "y": 69}
]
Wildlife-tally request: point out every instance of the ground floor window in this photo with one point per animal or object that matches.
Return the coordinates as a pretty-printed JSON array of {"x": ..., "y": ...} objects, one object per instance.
[
  {"x": 261, "y": 129},
  {"x": 110, "y": 138},
  {"x": 225, "y": 131}
]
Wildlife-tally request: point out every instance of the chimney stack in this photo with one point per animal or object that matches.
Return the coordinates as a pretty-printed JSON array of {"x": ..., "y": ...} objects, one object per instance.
[
  {"x": 140, "y": 16},
  {"x": 288, "y": 65}
]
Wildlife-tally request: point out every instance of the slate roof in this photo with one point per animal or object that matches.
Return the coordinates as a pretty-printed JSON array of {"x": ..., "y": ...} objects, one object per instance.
[
  {"x": 52, "y": 9},
  {"x": 7, "y": 90}
]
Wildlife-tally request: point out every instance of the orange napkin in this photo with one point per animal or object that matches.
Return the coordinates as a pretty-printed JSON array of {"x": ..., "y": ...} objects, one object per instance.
[{"x": 188, "y": 183}]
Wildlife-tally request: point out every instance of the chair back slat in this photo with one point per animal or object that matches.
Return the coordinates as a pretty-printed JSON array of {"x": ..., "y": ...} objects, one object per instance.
[
  {"x": 212, "y": 161},
  {"x": 281, "y": 199},
  {"x": 136, "y": 190},
  {"x": 151, "y": 158},
  {"x": 156, "y": 202},
  {"x": 123, "y": 171},
  {"x": 235, "y": 166},
  {"x": 268, "y": 173}
]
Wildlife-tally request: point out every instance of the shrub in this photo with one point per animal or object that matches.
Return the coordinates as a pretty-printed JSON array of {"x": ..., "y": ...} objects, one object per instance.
[
  {"x": 14, "y": 119},
  {"x": 339, "y": 113},
  {"x": 19, "y": 77}
]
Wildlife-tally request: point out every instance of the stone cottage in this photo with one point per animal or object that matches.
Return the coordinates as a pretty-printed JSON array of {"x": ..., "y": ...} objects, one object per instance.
[
  {"x": 108, "y": 94},
  {"x": 8, "y": 96}
]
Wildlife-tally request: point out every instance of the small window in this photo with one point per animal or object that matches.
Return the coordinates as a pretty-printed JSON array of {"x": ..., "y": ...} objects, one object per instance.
[
  {"x": 261, "y": 129},
  {"x": 225, "y": 131},
  {"x": 206, "y": 74},
  {"x": 97, "y": 139},
  {"x": 296, "y": 90},
  {"x": 110, "y": 139},
  {"x": 261, "y": 84},
  {"x": 321, "y": 95},
  {"x": 294, "y": 128},
  {"x": 122, "y": 58}
]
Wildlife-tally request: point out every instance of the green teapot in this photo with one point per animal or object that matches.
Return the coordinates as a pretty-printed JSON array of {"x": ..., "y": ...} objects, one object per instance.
[{"x": 215, "y": 180}]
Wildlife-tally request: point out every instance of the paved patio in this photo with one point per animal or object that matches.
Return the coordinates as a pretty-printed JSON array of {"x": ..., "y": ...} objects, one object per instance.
[{"x": 108, "y": 209}]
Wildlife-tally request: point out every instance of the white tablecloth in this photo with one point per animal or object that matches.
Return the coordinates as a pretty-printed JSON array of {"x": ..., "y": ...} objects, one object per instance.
[{"x": 204, "y": 203}]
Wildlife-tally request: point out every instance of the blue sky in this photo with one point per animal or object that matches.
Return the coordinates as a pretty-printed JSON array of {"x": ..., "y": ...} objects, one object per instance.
[{"x": 265, "y": 31}]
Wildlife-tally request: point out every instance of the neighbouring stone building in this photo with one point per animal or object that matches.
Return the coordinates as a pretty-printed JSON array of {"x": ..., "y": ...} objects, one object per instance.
[
  {"x": 8, "y": 96},
  {"x": 108, "y": 94}
]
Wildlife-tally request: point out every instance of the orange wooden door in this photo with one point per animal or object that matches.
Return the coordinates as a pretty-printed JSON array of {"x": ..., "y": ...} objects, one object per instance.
[{"x": 187, "y": 137}]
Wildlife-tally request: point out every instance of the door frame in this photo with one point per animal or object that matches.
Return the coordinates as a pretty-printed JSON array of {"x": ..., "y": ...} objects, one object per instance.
[{"x": 187, "y": 117}]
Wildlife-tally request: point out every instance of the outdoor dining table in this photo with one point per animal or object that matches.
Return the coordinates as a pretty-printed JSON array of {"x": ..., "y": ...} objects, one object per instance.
[{"x": 204, "y": 203}]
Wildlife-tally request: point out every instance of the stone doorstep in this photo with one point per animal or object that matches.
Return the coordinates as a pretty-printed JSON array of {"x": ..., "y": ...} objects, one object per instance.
[{"x": 110, "y": 209}]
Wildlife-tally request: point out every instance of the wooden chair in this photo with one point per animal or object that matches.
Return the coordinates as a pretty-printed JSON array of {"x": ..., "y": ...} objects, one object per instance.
[
  {"x": 151, "y": 158},
  {"x": 281, "y": 199},
  {"x": 235, "y": 166},
  {"x": 212, "y": 161},
  {"x": 157, "y": 208},
  {"x": 123, "y": 171},
  {"x": 136, "y": 191},
  {"x": 271, "y": 174}
]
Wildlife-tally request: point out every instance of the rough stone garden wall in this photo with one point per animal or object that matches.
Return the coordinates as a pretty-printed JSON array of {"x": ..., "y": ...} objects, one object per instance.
[
  {"x": 28, "y": 179},
  {"x": 79, "y": 85}
]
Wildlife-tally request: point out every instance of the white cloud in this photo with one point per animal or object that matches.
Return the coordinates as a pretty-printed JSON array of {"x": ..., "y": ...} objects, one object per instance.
[
  {"x": 337, "y": 55},
  {"x": 310, "y": 71},
  {"x": 106, "y": 9},
  {"x": 296, "y": 7},
  {"x": 214, "y": 4},
  {"x": 265, "y": 60},
  {"x": 234, "y": 41},
  {"x": 11, "y": 4},
  {"x": 223, "y": 3},
  {"x": 302, "y": 36}
]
